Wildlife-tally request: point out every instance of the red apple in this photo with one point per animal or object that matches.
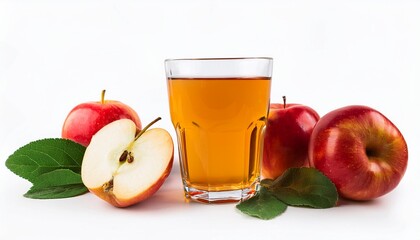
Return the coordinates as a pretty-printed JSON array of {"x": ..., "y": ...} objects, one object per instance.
[
  {"x": 287, "y": 134},
  {"x": 124, "y": 167},
  {"x": 86, "y": 119},
  {"x": 360, "y": 150}
]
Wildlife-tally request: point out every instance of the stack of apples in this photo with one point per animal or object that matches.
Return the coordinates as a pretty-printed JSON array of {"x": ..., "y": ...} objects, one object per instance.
[
  {"x": 123, "y": 164},
  {"x": 359, "y": 149}
]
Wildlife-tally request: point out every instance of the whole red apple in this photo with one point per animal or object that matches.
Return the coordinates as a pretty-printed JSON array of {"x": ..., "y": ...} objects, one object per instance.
[
  {"x": 287, "y": 134},
  {"x": 360, "y": 150},
  {"x": 86, "y": 119}
]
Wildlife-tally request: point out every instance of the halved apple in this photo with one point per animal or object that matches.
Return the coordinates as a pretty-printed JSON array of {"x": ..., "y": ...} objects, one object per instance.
[{"x": 123, "y": 166}]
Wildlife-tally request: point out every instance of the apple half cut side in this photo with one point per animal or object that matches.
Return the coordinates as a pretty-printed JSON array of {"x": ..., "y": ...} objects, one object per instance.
[{"x": 123, "y": 168}]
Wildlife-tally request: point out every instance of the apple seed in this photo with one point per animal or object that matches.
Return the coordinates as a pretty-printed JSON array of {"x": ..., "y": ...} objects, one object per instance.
[
  {"x": 130, "y": 158},
  {"x": 124, "y": 156}
]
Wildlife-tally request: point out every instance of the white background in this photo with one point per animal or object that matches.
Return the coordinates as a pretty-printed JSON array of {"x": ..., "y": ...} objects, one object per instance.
[{"x": 327, "y": 54}]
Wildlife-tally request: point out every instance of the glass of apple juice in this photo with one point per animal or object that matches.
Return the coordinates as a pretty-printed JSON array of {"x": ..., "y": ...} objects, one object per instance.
[{"x": 219, "y": 108}]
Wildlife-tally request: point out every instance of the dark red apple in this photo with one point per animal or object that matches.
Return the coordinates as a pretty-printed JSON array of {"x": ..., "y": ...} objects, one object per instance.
[
  {"x": 86, "y": 119},
  {"x": 287, "y": 134},
  {"x": 360, "y": 150}
]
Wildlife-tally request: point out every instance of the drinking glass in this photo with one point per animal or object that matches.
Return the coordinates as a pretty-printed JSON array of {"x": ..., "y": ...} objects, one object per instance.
[{"x": 219, "y": 107}]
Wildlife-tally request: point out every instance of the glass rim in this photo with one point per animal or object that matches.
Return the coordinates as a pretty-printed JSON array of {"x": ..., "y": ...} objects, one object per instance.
[{"x": 218, "y": 59}]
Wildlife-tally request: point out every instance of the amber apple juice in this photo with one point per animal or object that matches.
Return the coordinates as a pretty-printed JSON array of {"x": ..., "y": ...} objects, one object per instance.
[{"x": 219, "y": 124}]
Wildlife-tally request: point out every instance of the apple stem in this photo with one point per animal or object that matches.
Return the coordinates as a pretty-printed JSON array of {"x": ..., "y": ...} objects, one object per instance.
[
  {"x": 145, "y": 128},
  {"x": 284, "y": 102},
  {"x": 103, "y": 96}
]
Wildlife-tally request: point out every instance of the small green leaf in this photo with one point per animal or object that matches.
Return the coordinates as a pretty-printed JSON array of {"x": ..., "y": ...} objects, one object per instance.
[
  {"x": 58, "y": 177},
  {"x": 53, "y": 165},
  {"x": 305, "y": 187},
  {"x": 60, "y": 183},
  {"x": 263, "y": 205},
  {"x": 46, "y": 155},
  {"x": 63, "y": 191}
]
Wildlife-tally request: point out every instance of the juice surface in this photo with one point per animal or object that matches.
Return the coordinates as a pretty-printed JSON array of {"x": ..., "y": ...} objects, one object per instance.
[{"x": 219, "y": 125}]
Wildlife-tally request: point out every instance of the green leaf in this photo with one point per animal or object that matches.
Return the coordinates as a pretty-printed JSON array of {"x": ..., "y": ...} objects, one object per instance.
[
  {"x": 46, "y": 155},
  {"x": 62, "y": 191},
  {"x": 53, "y": 165},
  {"x": 263, "y": 205},
  {"x": 305, "y": 187},
  {"x": 60, "y": 183},
  {"x": 58, "y": 177}
]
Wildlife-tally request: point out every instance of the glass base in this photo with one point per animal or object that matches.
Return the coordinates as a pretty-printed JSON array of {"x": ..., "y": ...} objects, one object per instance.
[{"x": 230, "y": 196}]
